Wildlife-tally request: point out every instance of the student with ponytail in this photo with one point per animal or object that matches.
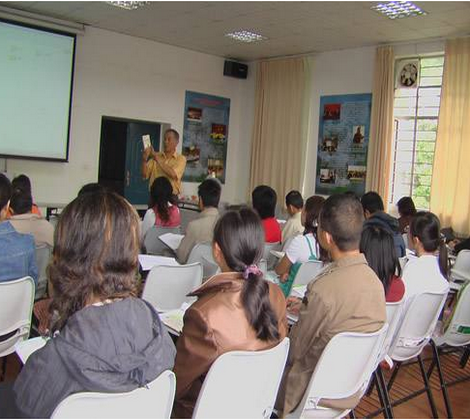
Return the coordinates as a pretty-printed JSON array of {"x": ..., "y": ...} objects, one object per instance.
[
  {"x": 428, "y": 272},
  {"x": 235, "y": 310}
]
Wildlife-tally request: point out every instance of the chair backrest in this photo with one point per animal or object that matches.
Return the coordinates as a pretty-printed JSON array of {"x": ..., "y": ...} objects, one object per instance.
[
  {"x": 16, "y": 307},
  {"x": 202, "y": 253},
  {"x": 263, "y": 266},
  {"x": 344, "y": 368},
  {"x": 394, "y": 316},
  {"x": 405, "y": 240},
  {"x": 242, "y": 384},
  {"x": 166, "y": 286},
  {"x": 461, "y": 268},
  {"x": 154, "y": 401},
  {"x": 458, "y": 332},
  {"x": 43, "y": 256},
  {"x": 418, "y": 323},
  {"x": 270, "y": 258},
  {"x": 153, "y": 244},
  {"x": 307, "y": 272}
]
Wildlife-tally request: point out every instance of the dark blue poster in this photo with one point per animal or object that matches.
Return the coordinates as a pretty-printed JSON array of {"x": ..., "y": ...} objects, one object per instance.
[
  {"x": 343, "y": 139},
  {"x": 205, "y": 136}
]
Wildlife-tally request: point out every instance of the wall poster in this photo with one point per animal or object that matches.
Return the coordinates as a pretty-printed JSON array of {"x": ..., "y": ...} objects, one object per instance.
[
  {"x": 205, "y": 136},
  {"x": 343, "y": 139}
]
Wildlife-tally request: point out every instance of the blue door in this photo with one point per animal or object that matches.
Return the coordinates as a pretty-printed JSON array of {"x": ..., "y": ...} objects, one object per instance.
[{"x": 136, "y": 189}]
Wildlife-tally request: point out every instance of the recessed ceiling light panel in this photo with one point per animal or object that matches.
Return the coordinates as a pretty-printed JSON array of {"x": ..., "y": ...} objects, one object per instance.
[
  {"x": 399, "y": 9},
  {"x": 246, "y": 36},
  {"x": 128, "y": 5}
]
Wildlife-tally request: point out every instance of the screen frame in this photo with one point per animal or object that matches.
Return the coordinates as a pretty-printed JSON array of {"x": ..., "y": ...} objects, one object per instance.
[{"x": 74, "y": 48}]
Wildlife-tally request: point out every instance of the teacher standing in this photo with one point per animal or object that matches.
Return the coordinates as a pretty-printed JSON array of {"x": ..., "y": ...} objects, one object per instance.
[{"x": 168, "y": 163}]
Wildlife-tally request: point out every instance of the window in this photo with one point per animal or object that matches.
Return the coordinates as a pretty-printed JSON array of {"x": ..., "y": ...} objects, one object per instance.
[{"x": 416, "y": 112}]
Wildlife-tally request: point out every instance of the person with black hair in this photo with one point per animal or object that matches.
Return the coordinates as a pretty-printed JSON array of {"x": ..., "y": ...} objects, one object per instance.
[
  {"x": 24, "y": 183},
  {"x": 429, "y": 272},
  {"x": 374, "y": 213},
  {"x": 25, "y": 221},
  {"x": 17, "y": 251},
  {"x": 345, "y": 296},
  {"x": 236, "y": 309},
  {"x": 202, "y": 228},
  {"x": 264, "y": 202},
  {"x": 293, "y": 226},
  {"x": 92, "y": 187},
  {"x": 378, "y": 247},
  {"x": 406, "y": 210},
  {"x": 163, "y": 211}
]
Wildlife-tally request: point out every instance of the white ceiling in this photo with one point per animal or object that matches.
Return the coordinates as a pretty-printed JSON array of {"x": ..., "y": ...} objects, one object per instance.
[{"x": 291, "y": 27}]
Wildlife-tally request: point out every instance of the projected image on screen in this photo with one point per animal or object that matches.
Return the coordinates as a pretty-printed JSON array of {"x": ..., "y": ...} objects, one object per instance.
[{"x": 36, "y": 70}]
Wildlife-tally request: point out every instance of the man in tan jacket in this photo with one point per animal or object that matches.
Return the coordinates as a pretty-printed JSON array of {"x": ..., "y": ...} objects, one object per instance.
[
  {"x": 346, "y": 296},
  {"x": 201, "y": 229}
]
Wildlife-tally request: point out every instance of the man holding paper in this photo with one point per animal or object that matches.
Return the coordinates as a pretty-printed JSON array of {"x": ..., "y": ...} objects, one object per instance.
[{"x": 168, "y": 163}]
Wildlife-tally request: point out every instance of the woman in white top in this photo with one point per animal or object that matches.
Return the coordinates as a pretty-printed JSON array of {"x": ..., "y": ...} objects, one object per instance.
[
  {"x": 303, "y": 247},
  {"x": 428, "y": 272}
]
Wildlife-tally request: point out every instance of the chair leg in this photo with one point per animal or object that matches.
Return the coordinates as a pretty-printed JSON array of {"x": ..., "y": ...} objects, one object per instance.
[
  {"x": 352, "y": 414},
  {"x": 441, "y": 379},
  {"x": 393, "y": 377},
  {"x": 381, "y": 384},
  {"x": 465, "y": 357},
  {"x": 370, "y": 388},
  {"x": 427, "y": 387},
  {"x": 4, "y": 368},
  {"x": 380, "y": 393}
]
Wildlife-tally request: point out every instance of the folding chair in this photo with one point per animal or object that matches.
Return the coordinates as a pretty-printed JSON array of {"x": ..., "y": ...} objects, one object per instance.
[
  {"x": 153, "y": 245},
  {"x": 43, "y": 256},
  {"x": 242, "y": 384},
  {"x": 153, "y": 401},
  {"x": 202, "y": 253}
]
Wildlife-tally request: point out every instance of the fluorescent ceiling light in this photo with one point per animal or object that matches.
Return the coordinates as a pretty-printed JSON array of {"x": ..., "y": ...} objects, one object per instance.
[
  {"x": 398, "y": 9},
  {"x": 128, "y": 5},
  {"x": 245, "y": 36}
]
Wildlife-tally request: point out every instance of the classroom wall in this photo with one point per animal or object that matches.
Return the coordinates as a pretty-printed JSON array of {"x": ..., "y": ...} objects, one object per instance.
[{"x": 122, "y": 76}]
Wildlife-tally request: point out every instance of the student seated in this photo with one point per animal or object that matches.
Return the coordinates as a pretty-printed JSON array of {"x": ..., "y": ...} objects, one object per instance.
[
  {"x": 104, "y": 338},
  {"x": 92, "y": 187},
  {"x": 346, "y": 296},
  {"x": 24, "y": 221},
  {"x": 302, "y": 248},
  {"x": 202, "y": 228},
  {"x": 293, "y": 226},
  {"x": 428, "y": 272},
  {"x": 163, "y": 211},
  {"x": 374, "y": 213},
  {"x": 378, "y": 248},
  {"x": 17, "y": 250},
  {"x": 235, "y": 310},
  {"x": 406, "y": 210},
  {"x": 24, "y": 183},
  {"x": 264, "y": 202}
]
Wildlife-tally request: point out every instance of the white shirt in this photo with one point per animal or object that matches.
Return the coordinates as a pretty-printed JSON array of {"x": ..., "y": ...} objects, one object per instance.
[
  {"x": 292, "y": 228},
  {"x": 423, "y": 275},
  {"x": 298, "y": 250}
]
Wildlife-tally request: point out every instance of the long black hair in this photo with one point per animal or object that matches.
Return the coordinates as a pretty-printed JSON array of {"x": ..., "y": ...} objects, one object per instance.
[
  {"x": 161, "y": 193},
  {"x": 312, "y": 210},
  {"x": 379, "y": 249},
  {"x": 426, "y": 227},
  {"x": 240, "y": 236}
]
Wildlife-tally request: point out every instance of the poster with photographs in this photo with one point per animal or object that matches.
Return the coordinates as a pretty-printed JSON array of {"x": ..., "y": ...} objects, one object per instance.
[
  {"x": 343, "y": 138},
  {"x": 205, "y": 136}
]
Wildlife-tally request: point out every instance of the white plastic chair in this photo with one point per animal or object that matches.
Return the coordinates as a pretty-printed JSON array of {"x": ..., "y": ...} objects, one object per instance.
[
  {"x": 344, "y": 369},
  {"x": 153, "y": 244},
  {"x": 270, "y": 259},
  {"x": 166, "y": 286},
  {"x": 16, "y": 307},
  {"x": 154, "y": 401},
  {"x": 242, "y": 384},
  {"x": 43, "y": 256},
  {"x": 307, "y": 272},
  {"x": 461, "y": 268},
  {"x": 405, "y": 240},
  {"x": 202, "y": 253},
  {"x": 414, "y": 333},
  {"x": 263, "y": 266}
]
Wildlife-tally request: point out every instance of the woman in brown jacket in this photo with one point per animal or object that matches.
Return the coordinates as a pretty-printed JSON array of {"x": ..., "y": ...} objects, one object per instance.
[{"x": 235, "y": 310}]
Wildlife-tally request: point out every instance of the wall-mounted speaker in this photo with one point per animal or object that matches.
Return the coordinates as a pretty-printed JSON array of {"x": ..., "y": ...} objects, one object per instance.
[{"x": 234, "y": 69}]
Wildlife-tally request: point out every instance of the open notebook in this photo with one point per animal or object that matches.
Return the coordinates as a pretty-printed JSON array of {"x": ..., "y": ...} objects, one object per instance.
[
  {"x": 173, "y": 320},
  {"x": 26, "y": 348},
  {"x": 171, "y": 240},
  {"x": 147, "y": 262}
]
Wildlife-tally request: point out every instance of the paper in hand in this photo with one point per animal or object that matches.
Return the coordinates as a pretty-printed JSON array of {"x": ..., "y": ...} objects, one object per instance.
[{"x": 146, "y": 141}]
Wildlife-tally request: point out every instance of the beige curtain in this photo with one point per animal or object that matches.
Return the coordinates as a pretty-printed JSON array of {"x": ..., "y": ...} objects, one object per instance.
[
  {"x": 450, "y": 188},
  {"x": 279, "y": 132},
  {"x": 381, "y": 127}
]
